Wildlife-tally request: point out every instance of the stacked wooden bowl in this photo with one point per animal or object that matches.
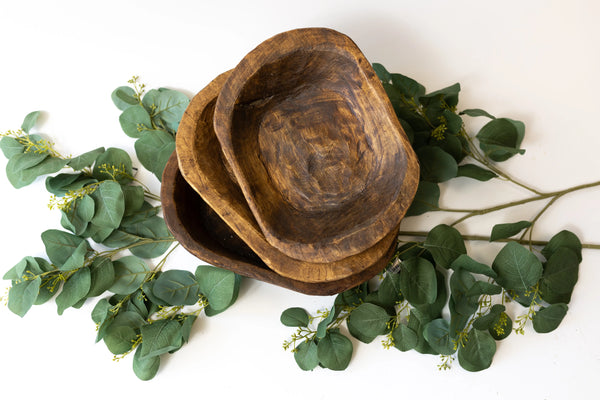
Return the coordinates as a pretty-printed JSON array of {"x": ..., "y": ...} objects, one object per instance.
[{"x": 292, "y": 168}]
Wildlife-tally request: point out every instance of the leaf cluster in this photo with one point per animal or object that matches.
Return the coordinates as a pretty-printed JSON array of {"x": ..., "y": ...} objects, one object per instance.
[
  {"x": 436, "y": 132},
  {"x": 152, "y": 118}
]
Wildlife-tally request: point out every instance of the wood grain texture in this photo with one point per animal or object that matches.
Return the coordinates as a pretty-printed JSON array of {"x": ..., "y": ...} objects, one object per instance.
[
  {"x": 315, "y": 146},
  {"x": 203, "y": 166},
  {"x": 204, "y": 234}
]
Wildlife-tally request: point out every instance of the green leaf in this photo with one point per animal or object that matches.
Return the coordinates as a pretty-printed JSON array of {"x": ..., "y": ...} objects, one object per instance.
[
  {"x": 503, "y": 231},
  {"x": 563, "y": 239},
  {"x": 145, "y": 368},
  {"x": 322, "y": 326},
  {"x": 480, "y": 288},
  {"x": 418, "y": 281},
  {"x": 475, "y": 172},
  {"x": 74, "y": 289},
  {"x": 468, "y": 264},
  {"x": 306, "y": 355},
  {"x": 60, "y": 184},
  {"x": 124, "y": 97},
  {"x": 437, "y": 334},
  {"x": 517, "y": 268},
  {"x": 30, "y": 121},
  {"x": 130, "y": 272},
  {"x": 426, "y": 199},
  {"x": 86, "y": 159},
  {"x": 410, "y": 88},
  {"x": 501, "y": 327},
  {"x": 294, "y": 316},
  {"x": 102, "y": 276},
  {"x": 389, "y": 292},
  {"x": 22, "y": 295},
  {"x": 477, "y": 112},
  {"x": 134, "y": 120},
  {"x": 334, "y": 351},
  {"x": 220, "y": 286},
  {"x": 151, "y": 228},
  {"x": 119, "y": 238},
  {"x": 154, "y": 149},
  {"x": 119, "y": 339},
  {"x": 177, "y": 288},
  {"x": 547, "y": 319},
  {"x": 434, "y": 310},
  {"x": 160, "y": 337},
  {"x": 22, "y": 169},
  {"x": 60, "y": 245},
  {"x": 417, "y": 322},
  {"x": 10, "y": 146},
  {"x": 367, "y": 321},
  {"x": 464, "y": 303},
  {"x": 186, "y": 327},
  {"x": 478, "y": 352},
  {"x": 134, "y": 198},
  {"x": 77, "y": 217},
  {"x": 382, "y": 73},
  {"x": 486, "y": 321},
  {"x": 77, "y": 258},
  {"x": 448, "y": 94},
  {"x": 501, "y": 138},
  {"x": 445, "y": 244},
  {"x": 404, "y": 338},
  {"x": 101, "y": 311},
  {"x": 560, "y": 275},
  {"x": 436, "y": 164},
  {"x": 113, "y": 164},
  {"x": 18, "y": 271},
  {"x": 170, "y": 106},
  {"x": 109, "y": 204}
]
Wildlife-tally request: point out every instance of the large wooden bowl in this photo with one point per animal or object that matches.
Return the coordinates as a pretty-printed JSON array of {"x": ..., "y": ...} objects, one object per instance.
[
  {"x": 204, "y": 234},
  {"x": 202, "y": 165},
  {"x": 315, "y": 146}
]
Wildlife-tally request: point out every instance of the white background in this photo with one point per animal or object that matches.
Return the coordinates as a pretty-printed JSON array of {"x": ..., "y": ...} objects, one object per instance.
[{"x": 537, "y": 61}]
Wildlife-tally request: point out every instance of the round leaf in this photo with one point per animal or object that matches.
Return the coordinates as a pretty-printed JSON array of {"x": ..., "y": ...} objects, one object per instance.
[
  {"x": 404, "y": 338},
  {"x": 334, "y": 351},
  {"x": 426, "y": 199},
  {"x": 294, "y": 316},
  {"x": 146, "y": 368},
  {"x": 74, "y": 289},
  {"x": 367, "y": 322},
  {"x": 135, "y": 119},
  {"x": 306, "y": 356},
  {"x": 130, "y": 272},
  {"x": 22, "y": 295},
  {"x": 478, "y": 352},
  {"x": 176, "y": 287},
  {"x": 418, "y": 281},
  {"x": 437, "y": 334},
  {"x": 517, "y": 268},
  {"x": 110, "y": 205},
  {"x": 436, "y": 164},
  {"x": 445, "y": 244},
  {"x": 547, "y": 319},
  {"x": 160, "y": 337}
]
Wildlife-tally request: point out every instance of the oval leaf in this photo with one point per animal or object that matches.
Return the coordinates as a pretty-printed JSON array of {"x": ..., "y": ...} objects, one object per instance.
[
  {"x": 334, "y": 351},
  {"x": 547, "y": 319},
  {"x": 517, "y": 268},
  {"x": 294, "y": 316},
  {"x": 445, "y": 244}
]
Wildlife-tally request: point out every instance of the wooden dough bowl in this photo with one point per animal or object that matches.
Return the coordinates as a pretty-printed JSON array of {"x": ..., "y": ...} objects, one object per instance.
[
  {"x": 315, "y": 147},
  {"x": 205, "y": 170},
  {"x": 204, "y": 234}
]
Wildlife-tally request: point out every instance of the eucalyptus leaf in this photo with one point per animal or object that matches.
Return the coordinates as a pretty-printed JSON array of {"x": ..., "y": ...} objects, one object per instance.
[
  {"x": 468, "y": 264},
  {"x": 102, "y": 276},
  {"x": 426, "y": 199},
  {"x": 124, "y": 97},
  {"x": 22, "y": 295},
  {"x": 134, "y": 198},
  {"x": 77, "y": 258},
  {"x": 404, "y": 338},
  {"x": 418, "y": 281},
  {"x": 109, "y": 204},
  {"x": 145, "y": 368},
  {"x": 78, "y": 215},
  {"x": 323, "y": 325},
  {"x": 547, "y": 319},
  {"x": 86, "y": 159},
  {"x": 517, "y": 268},
  {"x": 445, "y": 244},
  {"x": 368, "y": 321},
  {"x": 74, "y": 289},
  {"x": 160, "y": 337},
  {"x": 135, "y": 119},
  {"x": 437, "y": 334},
  {"x": 478, "y": 352},
  {"x": 22, "y": 169},
  {"x": 101, "y": 311},
  {"x": 503, "y": 231},
  {"x": 382, "y": 73},
  {"x": 114, "y": 164},
  {"x": 60, "y": 184},
  {"x": 11, "y": 146},
  {"x": 30, "y": 121},
  {"x": 436, "y": 164},
  {"x": 475, "y": 172},
  {"x": 563, "y": 239},
  {"x": 306, "y": 355},
  {"x": 408, "y": 86},
  {"x": 60, "y": 245},
  {"x": 177, "y": 287},
  {"x": 294, "y": 316},
  {"x": 486, "y": 321},
  {"x": 154, "y": 149},
  {"x": 334, "y": 351},
  {"x": 119, "y": 338},
  {"x": 130, "y": 273},
  {"x": 560, "y": 275},
  {"x": 477, "y": 112},
  {"x": 501, "y": 138},
  {"x": 220, "y": 286}
]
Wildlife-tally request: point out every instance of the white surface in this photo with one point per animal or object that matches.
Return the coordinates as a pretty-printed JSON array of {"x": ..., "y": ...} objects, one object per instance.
[{"x": 537, "y": 61}]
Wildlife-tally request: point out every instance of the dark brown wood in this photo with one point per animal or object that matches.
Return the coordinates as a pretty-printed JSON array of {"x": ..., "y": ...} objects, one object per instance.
[
  {"x": 204, "y": 168},
  {"x": 315, "y": 146},
  {"x": 205, "y": 235}
]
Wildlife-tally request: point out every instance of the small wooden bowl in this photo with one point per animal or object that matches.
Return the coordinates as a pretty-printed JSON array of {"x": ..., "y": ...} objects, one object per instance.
[
  {"x": 315, "y": 146},
  {"x": 202, "y": 165},
  {"x": 204, "y": 234}
]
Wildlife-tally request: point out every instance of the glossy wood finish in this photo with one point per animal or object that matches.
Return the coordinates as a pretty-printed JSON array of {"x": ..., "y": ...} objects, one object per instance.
[{"x": 315, "y": 145}]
